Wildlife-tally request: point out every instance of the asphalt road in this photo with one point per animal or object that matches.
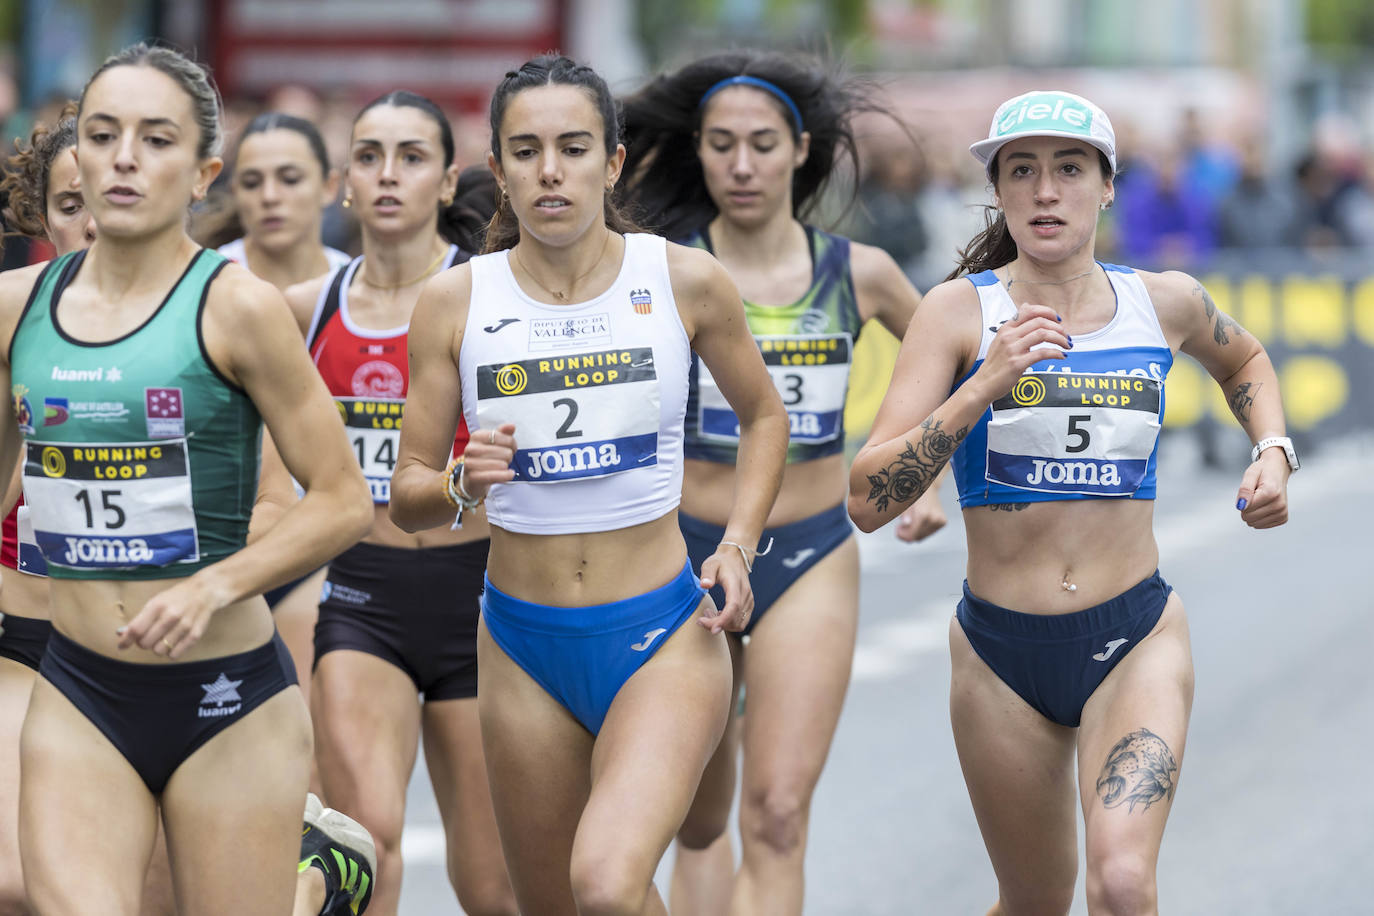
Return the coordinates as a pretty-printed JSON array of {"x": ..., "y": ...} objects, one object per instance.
[{"x": 1275, "y": 801}]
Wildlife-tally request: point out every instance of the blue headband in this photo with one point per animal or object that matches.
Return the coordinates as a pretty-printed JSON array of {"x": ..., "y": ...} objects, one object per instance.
[{"x": 770, "y": 88}]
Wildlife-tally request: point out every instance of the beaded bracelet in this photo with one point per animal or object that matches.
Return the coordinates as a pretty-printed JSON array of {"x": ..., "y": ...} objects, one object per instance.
[{"x": 454, "y": 491}]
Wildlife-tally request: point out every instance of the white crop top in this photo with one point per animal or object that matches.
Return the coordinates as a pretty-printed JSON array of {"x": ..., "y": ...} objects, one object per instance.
[{"x": 597, "y": 391}]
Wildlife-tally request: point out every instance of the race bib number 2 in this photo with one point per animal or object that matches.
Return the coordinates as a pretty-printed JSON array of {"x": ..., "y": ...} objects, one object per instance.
[
  {"x": 576, "y": 416},
  {"x": 111, "y": 506}
]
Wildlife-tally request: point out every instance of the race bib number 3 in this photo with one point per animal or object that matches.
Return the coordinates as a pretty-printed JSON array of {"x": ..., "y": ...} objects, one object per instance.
[
  {"x": 374, "y": 431},
  {"x": 576, "y": 416},
  {"x": 111, "y": 506},
  {"x": 811, "y": 373},
  {"x": 1074, "y": 432}
]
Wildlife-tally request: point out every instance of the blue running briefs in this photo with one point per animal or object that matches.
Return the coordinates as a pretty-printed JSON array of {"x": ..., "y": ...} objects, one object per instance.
[
  {"x": 1055, "y": 661},
  {"x": 582, "y": 656},
  {"x": 797, "y": 546}
]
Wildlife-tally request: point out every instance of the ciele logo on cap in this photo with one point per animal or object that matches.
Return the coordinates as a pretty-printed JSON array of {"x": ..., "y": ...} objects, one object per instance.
[{"x": 1046, "y": 111}]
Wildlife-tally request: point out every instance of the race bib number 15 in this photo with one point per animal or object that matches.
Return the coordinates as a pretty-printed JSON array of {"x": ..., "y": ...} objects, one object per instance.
[{"x": 111, "y": 506}]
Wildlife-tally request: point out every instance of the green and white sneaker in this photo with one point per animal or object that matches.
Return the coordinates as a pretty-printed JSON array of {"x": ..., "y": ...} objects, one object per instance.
[{"x": 343, "y": 850}]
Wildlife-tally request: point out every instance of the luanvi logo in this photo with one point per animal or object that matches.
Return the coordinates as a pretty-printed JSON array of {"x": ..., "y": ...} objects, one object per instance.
[
  {"x": 493, "y": 328},
  {"x": 219, "y": 692}
]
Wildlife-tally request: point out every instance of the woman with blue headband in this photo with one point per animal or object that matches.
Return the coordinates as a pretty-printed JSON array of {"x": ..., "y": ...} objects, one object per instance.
[
  {"x": 729, "y": 154},
  {"x": 1038, "y": 373}
]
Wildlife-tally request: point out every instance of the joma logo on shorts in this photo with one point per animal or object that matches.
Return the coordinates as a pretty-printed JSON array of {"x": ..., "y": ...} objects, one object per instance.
[
  {"x": 1074, "y": 472},
  {"x": 107, "y": 551},
  {"x": 555, "y": 461}
]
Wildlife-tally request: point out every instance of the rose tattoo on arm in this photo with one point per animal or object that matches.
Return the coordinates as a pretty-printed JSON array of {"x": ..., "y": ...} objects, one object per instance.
[{"x": 907, "y": 478}]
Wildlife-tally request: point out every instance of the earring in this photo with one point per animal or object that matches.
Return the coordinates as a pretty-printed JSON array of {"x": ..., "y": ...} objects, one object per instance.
[
  {"x": 447, "y": 201},
  {"x": 1105, "y": 205},
  {"x": 347, "y": 202}
]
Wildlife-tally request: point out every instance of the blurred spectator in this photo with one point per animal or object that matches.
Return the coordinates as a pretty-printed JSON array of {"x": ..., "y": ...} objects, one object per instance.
[
  {"x": 1209, "y": 169},
  {"x": 1256, "y": 214},
  {"x": 1163, "y": 221},
  {"x": 890, "y": 216}
]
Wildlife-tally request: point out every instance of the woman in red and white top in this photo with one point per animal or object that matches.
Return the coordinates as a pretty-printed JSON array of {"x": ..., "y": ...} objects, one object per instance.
[{"x": 398, "y": 614}]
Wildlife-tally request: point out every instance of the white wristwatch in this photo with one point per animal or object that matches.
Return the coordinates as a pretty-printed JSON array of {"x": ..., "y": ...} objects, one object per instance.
[{"x": 1283, "y": 442}]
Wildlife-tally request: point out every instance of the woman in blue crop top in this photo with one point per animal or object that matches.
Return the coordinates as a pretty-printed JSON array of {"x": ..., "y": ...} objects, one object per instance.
[
  {"x": 1042, "y": 380},
  {"x": 731, "y": 153}
]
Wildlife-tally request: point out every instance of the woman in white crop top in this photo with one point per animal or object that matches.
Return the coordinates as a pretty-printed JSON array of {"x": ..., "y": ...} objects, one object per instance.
[
  {"x": 599, "y": 708},
  {"x": 1067, "y": 642}
]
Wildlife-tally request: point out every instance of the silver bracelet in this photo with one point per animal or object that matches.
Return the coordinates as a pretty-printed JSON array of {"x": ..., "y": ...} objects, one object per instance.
[{"x": 744, "y": 552}]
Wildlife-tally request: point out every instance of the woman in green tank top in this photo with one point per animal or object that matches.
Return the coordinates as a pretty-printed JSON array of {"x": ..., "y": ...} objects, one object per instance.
[
  {"x": 729, "y": 153},
  {"x": 164, "y": 691}
]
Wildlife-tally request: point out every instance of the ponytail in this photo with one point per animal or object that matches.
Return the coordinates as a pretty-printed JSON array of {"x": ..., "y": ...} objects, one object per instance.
[{"x": 988, "y": 250}]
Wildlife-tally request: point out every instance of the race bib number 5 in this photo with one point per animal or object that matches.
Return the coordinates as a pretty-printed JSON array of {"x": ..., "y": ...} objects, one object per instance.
[
  {"x": 1075, "y": 432},
  {"x": 111, "y": 506},
  {"x": 576, "y": 416},
  {"x": 811, "y": 372}
]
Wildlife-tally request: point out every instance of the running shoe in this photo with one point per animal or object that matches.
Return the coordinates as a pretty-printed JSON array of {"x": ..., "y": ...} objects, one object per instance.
[{"x": 343, "y": 850}]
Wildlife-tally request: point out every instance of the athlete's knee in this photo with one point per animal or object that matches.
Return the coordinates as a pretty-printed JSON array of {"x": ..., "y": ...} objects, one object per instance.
[
  {"x": 775, "y": 818},
  {"x": 491, "y": 901},
  {"x": 1042, "y": 900},
  {"x": 1121, "y": 884},
  {"x": 704, "y": 825},
  {"x": 608, "y": 884},
  {"x": 487, "y": 894}
]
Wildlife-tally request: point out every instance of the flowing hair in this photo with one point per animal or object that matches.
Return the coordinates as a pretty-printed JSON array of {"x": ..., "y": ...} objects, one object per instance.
[{"x": 666, "y": 187}]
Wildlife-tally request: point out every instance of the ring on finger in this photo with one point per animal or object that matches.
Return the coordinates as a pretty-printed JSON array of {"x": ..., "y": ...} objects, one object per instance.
[
  {"x": 492, "y": 440},
  {"x": 168, "y": 644}
]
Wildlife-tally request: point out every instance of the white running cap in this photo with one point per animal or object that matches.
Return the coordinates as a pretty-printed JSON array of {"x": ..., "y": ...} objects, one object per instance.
[{"x": 1047, "y": 113}]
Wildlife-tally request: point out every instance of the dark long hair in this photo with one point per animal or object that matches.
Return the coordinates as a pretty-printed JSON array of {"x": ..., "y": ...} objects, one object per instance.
[
  {"x": 26, "y": 171},
  {"x": 665, "y": 184},
  {"x": 552, "y": 70},
  {"x": 217, "y": 222},
  {"x": 994, "y": 247}
]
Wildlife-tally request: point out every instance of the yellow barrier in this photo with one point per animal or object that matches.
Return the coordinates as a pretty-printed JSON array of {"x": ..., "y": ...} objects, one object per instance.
[{"x": 1298, "y": 312}]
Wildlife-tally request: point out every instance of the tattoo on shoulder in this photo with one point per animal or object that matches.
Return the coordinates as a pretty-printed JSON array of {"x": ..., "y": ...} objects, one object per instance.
[
  {"x": 1140, "y": 770},
  {"x": 1225, "y": 325},
  {"x": 905, "y": 479},
  {"x": 1007, "y": 507},
  {"x": 1242, "y": 400}
]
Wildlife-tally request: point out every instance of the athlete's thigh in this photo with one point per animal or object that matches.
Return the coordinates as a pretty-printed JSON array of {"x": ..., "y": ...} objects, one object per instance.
[
  {"x": 662, "y": 727},
  {"x": 458, "y": 772},
  {"x": 1130, "y": 745},
  {"x": 233, "y": 812},
  {"x": 83, "y": 811},
  {"x": 710, "y": 812},
  {"x": 799, "y": 657},
  {"x": 366, "y": 714},
  {"x": 295, "y": 617},
  {"x": 539, "y": 768},
  {"x": 16, "y": 683},
  {"x": 1019, "y": 770}
]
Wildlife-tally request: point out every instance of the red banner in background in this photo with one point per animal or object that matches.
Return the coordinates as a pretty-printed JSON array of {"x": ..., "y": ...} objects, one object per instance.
[{"x": 454, "y": 51}]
